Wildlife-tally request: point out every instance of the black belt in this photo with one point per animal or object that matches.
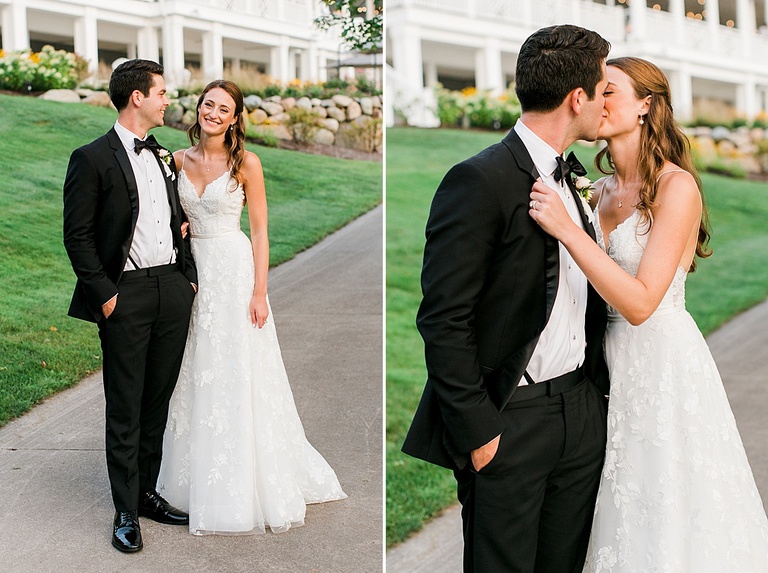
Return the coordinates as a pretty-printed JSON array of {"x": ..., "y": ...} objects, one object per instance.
[
  {"x": 551, "y": 387},
  {"x": 152, "y": 271}
]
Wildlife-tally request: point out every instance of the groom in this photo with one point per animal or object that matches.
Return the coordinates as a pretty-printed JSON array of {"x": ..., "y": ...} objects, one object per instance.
[
  {"x": 515, "y": 397},
  {"x": 136, "y": 279}
]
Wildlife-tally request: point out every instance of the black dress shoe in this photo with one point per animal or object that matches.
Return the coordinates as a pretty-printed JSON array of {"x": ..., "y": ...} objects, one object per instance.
[
  {"x": 126, "y": 533},
  {"x": 153, "y": 506}
]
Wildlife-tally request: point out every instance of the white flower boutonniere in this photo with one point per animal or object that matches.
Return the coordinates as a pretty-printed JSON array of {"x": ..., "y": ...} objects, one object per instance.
[
  {"x": 166, "y": 158},
  {"x": 584, "y": 187}
]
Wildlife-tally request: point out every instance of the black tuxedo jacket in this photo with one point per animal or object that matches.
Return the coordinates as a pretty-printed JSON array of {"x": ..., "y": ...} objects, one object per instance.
[
  {"x": 101, "y": 206},
  {"x": 489, "y": 281}
]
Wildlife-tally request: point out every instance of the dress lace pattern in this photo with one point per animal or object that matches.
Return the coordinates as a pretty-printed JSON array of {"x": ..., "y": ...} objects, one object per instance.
[
  {"x": 234, "y": 452},
  {"x": 677, "y": 493}
]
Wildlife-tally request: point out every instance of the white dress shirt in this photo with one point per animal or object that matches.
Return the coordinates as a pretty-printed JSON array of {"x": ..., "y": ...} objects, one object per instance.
[
  {"x": 560, "y": 348},
  {"x": 152, "y": 240}
]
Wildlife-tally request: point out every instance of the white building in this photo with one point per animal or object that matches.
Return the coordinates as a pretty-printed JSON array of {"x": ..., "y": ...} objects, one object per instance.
[
  {"x": 711, "y": 50},
  {"x": 276, "y": 37}
]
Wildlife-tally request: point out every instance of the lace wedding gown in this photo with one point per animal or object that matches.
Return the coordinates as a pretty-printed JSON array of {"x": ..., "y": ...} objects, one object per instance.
[
  {"x": 234, "y": 452},
  {"x": 676, "y": 493}
]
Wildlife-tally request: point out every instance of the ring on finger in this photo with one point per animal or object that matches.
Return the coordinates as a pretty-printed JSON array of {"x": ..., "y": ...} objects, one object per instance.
[{"x": 532, "y": 205}]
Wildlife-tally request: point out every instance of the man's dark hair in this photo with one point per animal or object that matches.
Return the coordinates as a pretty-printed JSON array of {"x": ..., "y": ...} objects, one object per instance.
[
  {"x": 130, "y": 76},
  {"x": 554, "y": 61}
]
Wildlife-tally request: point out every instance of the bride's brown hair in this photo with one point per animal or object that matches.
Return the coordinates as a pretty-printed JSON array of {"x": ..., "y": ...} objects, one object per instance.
[
  {"x": 661, "y": 140},
  {"x": 234, "y": 139}
]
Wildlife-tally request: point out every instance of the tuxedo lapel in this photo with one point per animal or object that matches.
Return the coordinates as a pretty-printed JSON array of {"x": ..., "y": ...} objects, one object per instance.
[
  {"x": 582, "y": 206},
  {"x": 552, "y": 258},
  {"x": 121, "y": 156}
]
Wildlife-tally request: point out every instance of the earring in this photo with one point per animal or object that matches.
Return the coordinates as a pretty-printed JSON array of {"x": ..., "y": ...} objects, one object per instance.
[{"x": 641, "y": 120}]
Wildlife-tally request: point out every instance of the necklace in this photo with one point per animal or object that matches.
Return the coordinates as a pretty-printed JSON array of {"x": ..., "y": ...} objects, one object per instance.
[
  {"x": 621, "y": 200},
  {"x": 207, "y": 167}
]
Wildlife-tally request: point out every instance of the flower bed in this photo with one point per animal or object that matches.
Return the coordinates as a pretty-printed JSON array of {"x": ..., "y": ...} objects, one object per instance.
[{"x": 47, "y": 69}]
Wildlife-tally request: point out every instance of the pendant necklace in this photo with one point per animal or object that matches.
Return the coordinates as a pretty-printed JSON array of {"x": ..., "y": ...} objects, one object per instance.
[{"x": 620, "y": 200}]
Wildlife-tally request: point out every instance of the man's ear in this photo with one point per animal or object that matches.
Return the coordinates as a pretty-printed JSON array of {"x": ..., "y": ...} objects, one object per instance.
[
  {"x": 576, "y": 98},
  {"x": 136, "y": 97}
]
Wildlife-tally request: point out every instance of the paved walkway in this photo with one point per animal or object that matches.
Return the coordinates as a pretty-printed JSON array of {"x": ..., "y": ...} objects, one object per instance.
[
  {"x": 55, "y": 506},
  {"x": 741, "y": 351}
]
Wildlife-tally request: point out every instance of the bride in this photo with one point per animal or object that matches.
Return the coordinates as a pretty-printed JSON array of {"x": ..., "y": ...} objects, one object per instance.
[
  {"x": 677, "y": 492},
  {"x": 234, "y": 452}
]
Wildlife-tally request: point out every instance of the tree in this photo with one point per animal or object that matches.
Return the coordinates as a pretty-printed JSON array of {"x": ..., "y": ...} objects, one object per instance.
[{"x": 361, "y": 22}]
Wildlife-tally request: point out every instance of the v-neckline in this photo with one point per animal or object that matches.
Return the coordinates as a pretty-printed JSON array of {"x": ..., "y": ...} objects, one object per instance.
[
  {"x": 200, "y": 195},
  {"x": 607, "y": 236}
]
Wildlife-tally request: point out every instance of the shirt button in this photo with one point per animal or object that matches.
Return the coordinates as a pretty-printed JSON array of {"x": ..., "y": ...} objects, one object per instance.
[
  {"x": 574, "y": 300},
  {"x": 574, "y": 337}
]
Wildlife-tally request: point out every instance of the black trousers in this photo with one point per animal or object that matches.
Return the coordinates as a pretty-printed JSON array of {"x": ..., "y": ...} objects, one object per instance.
[
  {"x": 530, "y": 509},
  {"x": 142, "y": 344}
]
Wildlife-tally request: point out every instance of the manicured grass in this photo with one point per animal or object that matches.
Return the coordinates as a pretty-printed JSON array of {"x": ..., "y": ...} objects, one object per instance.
[
  {"x": 41, "y": 349},
  {"x": 732, "y": 280}
]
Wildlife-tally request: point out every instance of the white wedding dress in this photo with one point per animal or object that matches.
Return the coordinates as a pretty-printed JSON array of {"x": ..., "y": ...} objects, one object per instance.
[
  {"x": 234, "y": 452},
  {"x": 676, "y": 494}
]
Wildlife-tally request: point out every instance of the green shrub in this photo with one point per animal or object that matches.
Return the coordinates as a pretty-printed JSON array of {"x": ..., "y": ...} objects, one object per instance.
[
  {"x": 472, "y": 108},
  {"x": 365, "y": 134},
  {"x": 40, "y": 71},
  {"x": 725, "y": 167},
  {"x": 303, "y": 124},
  {"x": 261, "y": 136}
]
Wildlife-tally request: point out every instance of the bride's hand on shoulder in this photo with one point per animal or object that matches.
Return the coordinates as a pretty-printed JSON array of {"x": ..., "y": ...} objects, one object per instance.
[
  {"x": 547, "y": 209},
  {"x": 258, "y": 310}
]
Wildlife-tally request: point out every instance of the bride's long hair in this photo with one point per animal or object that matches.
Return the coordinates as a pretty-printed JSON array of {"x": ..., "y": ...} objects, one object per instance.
[
  {"x": 661, "y": 140},
  {"x": 234, "y": 139}
]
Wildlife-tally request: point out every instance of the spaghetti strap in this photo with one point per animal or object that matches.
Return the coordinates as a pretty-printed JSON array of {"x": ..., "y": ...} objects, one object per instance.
[
  {"x": 670, "y": 171},
  {"x": 183, "y": 157}
]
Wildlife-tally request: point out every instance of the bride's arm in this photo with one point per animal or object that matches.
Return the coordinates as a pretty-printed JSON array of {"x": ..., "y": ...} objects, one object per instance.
[
  {"x": 676, "y": 222},
  {"x": 256, "y": 202}
]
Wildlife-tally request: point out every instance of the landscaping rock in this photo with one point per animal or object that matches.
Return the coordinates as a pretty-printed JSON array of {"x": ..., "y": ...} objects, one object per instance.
[
  {"x": 320, "y": 111},
  {"x": 366, "y": 104},
  {"x": 720, "y": 133},
  {"x": 324, "y": 137},
  {"x": 327, "y": 103},
  {"x": 316, "y": 101},
  {"x": 279, "y": 118},
  {"x": 725, "y": 147},
  {"x": 258, "y": 116},
  {"x": 274, "y": 99},
  {"x": 342, "y": 100},
  {"x": 190, "y": 117},
  {"x": 252, "y": 102},
  {"x": 101, "y": 99},
  {"x": 330, "y": 124},
  {"x": 354, "y": 111},
  {"x": 272, "y": 108},
  {"x": 288, "y": 103},
  {"x": 304, "y": 103},
  {"x": 336, "y": 113},
  {"x": 278, "y": 130},
  {"x": 756, "y": 134},
  {"x": 189, "y": 101},
  {"x": 64, "y": 96},
  {"x": 174, "y": 113}
]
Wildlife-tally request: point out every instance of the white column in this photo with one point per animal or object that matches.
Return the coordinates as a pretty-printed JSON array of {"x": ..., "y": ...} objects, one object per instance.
[
  {"x": 87, "y": 39},
  {"x": 212, "y": 60},
  {"x": 713, "y": 23},
  {"x": 637, "y": 10},
  {"x": 15, "y": 31},
  {"x": 746, "y": 98},
  {"x": 407, "y": 59},
  {"x": 148, "y": 44},
  {"x": 745, "y": 22},
  {"x": 313, "y": 61},
  {"x": 173, "y": 50},
  {"x": 677, "y": 9},
  {"x": 279, "y": 63},
  {"x": 488, "y": 72},
  {"x": 682, "y": 93},
  {"x": 430, "y": 74}
]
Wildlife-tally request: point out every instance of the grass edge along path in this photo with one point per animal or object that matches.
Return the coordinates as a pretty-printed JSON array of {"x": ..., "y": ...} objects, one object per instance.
[
  {"x": 734, "y": 279},
  {"x": 42, "y": 350}
]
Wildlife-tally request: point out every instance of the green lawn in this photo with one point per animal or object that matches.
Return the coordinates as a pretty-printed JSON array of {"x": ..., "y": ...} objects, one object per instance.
[
  {"x": 41, "y": 349},
  {"x": 732, "y": 280}
]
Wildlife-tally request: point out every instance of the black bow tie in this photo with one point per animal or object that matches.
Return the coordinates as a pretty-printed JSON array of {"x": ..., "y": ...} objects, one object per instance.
[
  {"x": 150, "y": 143},
  {"x": 566, "y": 166}
]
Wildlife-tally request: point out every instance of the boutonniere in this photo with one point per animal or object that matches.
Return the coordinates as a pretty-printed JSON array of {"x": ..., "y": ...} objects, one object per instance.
[
  {"x": 166, "y": 158},
  {"x": 584, "y": 188}
]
